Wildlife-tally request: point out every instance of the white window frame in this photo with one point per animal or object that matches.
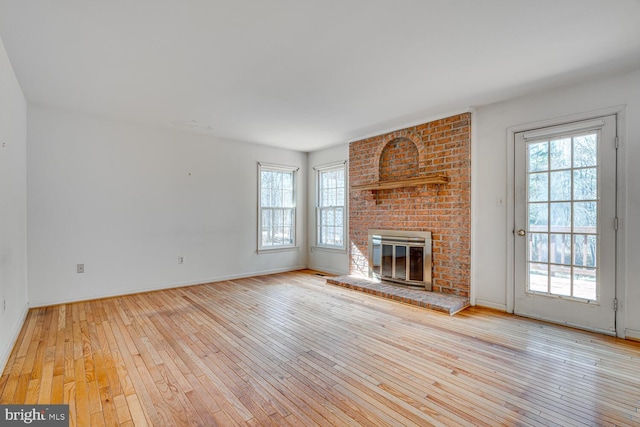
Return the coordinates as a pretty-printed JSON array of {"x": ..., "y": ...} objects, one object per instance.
[
  {"x": 319, "y": 170},
  {"x": 286, "y": 169}
]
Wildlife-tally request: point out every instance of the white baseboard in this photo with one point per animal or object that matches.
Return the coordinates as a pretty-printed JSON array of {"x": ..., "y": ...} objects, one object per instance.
[
  {"x": 489, "y": 304},
  {"x": 631, "y": 334},
  {"x": 4, "y": 357},
  {"x": 164, "y": 286},
  {"x": 328, "y": 271}
]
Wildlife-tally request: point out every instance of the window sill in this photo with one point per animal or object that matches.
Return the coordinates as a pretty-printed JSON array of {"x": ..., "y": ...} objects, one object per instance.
[{"x": 278, "y": 249}]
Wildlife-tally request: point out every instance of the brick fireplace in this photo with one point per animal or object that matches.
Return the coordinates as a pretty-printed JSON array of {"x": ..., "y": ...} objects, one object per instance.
[{"x": 416, "y": 179}]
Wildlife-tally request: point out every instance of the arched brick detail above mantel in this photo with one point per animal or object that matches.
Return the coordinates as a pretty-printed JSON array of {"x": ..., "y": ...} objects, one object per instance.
[
  {"x": 400, "y": 137},
  {"x": 398, "y": 160}
]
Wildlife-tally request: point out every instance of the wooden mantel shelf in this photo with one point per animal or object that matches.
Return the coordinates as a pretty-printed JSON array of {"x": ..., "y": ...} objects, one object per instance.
[{"x": 435, "y": 178}]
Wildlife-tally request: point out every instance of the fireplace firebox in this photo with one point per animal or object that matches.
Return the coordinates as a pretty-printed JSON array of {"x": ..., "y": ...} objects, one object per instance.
[{"x": 402, "y": 257}]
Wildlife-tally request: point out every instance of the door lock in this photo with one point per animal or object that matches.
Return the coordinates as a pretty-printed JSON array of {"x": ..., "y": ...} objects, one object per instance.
[{"x": 521, "y": 232}]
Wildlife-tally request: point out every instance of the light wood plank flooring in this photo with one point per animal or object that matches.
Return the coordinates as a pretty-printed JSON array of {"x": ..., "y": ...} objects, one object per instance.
[{"x": 288, "y": 349}]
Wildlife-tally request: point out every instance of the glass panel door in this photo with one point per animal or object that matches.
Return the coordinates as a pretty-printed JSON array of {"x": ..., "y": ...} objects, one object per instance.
[
  {"x": 416, "y": 263},
  {"x": 401, "y": 263},
  {"x": 387, "y": 261},
  {"x": 564, "y": 235}
]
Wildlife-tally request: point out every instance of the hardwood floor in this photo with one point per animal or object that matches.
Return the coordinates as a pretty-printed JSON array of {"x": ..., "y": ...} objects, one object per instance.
[{"x": 288, "y": 349}]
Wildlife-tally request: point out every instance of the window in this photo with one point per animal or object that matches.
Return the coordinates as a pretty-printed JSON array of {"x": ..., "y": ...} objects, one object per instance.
[
  {"x": 277, "y": 212},
  {"x": 330, "y": 206}
]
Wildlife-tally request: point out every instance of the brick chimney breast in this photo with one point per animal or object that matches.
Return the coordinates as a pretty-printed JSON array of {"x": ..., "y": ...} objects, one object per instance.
[{"x": 440, "y": 146}]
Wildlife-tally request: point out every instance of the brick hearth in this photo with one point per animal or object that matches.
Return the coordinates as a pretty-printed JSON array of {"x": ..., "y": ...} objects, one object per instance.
[{"x": 450, "y": 304}]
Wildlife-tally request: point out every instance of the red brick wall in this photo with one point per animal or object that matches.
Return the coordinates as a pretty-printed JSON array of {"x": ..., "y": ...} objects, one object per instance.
[{"x": 441, "y": 146}]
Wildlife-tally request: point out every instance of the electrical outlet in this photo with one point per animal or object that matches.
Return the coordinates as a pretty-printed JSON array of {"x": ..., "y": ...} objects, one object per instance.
[
  {"x": 180, "y": 260},
  {"x": 80, "y": 268}
]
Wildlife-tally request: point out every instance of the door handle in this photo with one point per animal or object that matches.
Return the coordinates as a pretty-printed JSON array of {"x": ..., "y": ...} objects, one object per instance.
[{"x": 521, "y": 232}]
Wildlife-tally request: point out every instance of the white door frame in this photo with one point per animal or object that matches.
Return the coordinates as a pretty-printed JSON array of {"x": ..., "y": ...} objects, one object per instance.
[{"x": 621, "y": 174}]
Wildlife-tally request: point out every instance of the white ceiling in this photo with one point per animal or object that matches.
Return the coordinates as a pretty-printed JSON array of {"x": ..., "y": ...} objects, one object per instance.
[{"x": 306, "y": 74}]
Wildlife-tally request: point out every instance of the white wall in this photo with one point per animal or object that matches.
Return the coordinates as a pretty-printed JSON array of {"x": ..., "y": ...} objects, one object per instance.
[
  {"x": 13, "y": 207},
  {"x": 336, "y": 262},
  {"x": 127, "y": 200},
  {"x": 490, "y": 180}
]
